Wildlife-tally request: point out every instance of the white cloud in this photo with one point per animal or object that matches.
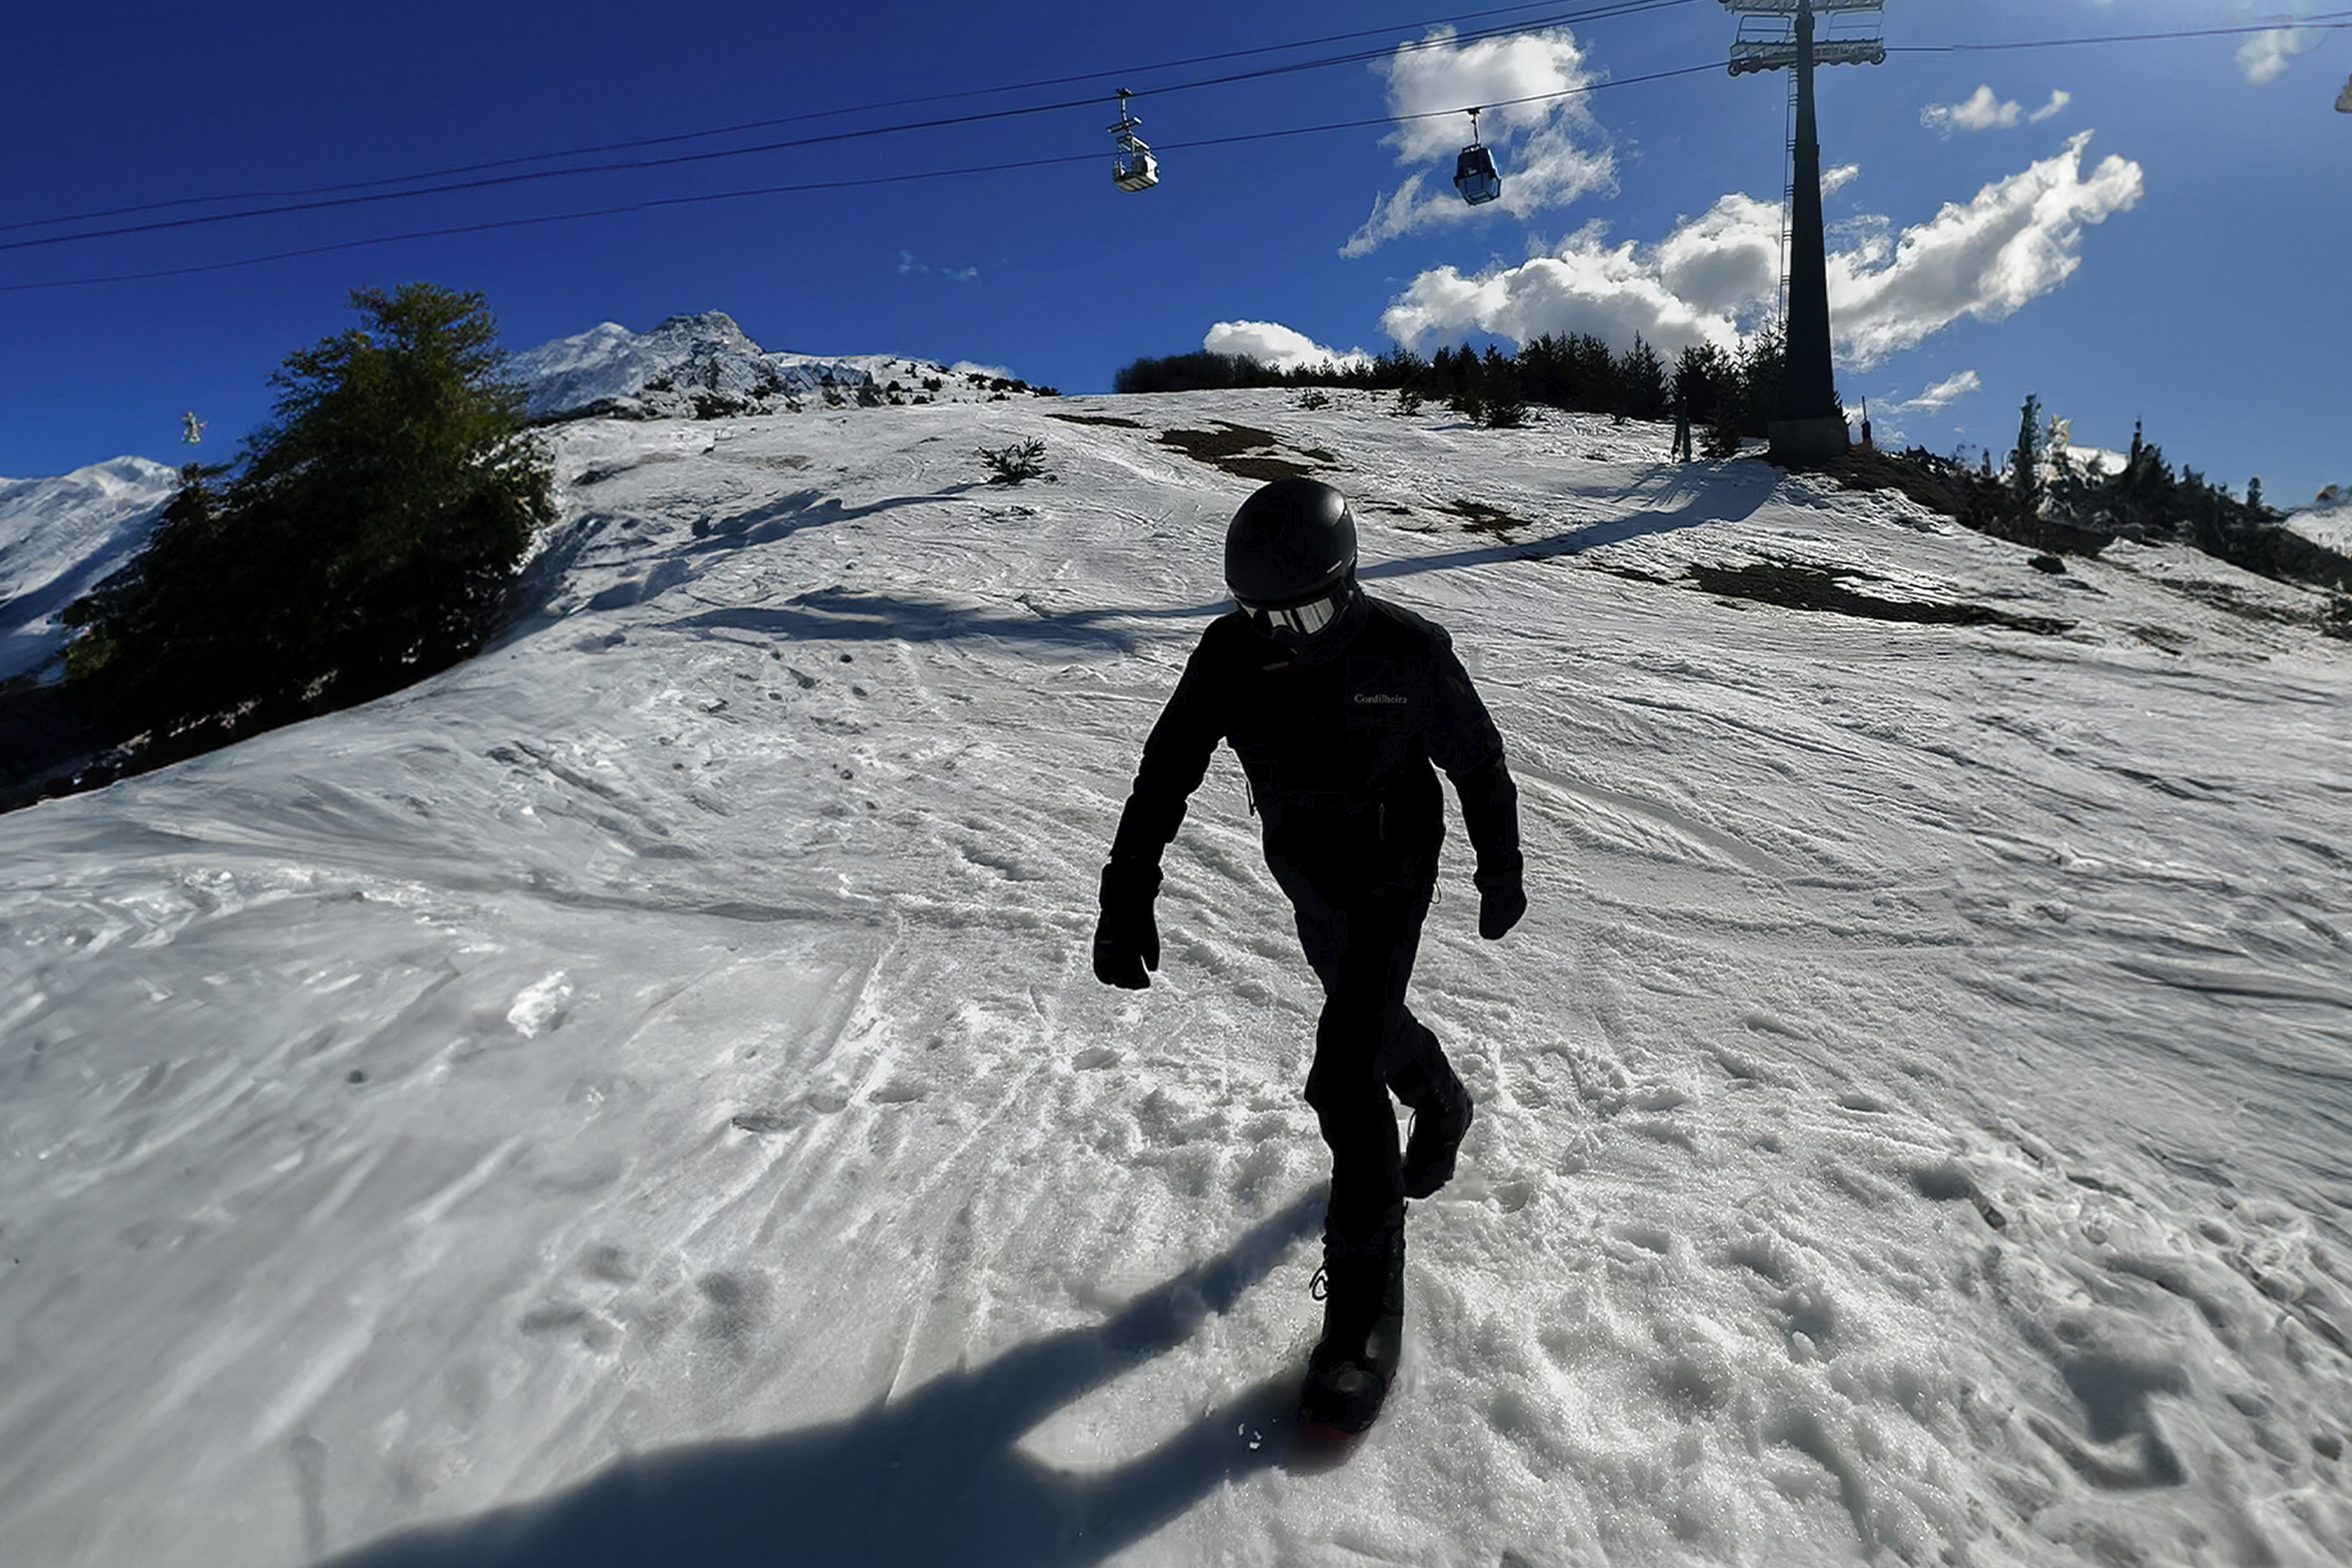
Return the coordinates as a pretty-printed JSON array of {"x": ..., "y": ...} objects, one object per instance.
[
  {"x": 2263, "y": 58},
  {"x": 1842, "y": 175},
  {"x": 909, "y": 263},
  {"x": 1270, "y": 343},
  {"x": 2019, "y": 239},
  {"x": 1716, "y": 274},
  {"x": 1983, "y": 109},
  {"x": 1980, "y": 110},
  {"x": 1536, "y": 144},
  {"x": 1951, "y": 389},
  {"x": 1728, "y": 262}
]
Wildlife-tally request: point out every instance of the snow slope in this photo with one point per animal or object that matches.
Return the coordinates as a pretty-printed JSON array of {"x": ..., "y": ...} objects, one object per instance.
[
  {"x": 58, "y": 537},
  {"x": 2329, "y": 523},
  {"x": 641, "y": 1096}
]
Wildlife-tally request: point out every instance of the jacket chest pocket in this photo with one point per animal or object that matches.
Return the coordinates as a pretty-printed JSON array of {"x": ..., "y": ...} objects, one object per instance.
[{"x": 1378, "y": 699}]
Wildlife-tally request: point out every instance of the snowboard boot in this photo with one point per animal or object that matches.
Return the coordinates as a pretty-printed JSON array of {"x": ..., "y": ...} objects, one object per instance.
[
  {"x": 1363, "y": 1288},
  {"x": 1438, "y": 1129}
]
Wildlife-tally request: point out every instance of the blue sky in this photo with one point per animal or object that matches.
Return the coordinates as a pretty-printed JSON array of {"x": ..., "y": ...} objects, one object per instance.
[{"x": 2155, "y": 231}]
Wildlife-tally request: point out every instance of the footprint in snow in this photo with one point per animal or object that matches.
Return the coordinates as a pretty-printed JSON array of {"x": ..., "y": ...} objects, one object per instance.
[{"x": 783, "y": 1119}]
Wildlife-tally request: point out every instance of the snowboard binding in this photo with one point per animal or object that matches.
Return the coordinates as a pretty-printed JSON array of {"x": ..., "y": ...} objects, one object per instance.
[
  {"x": 1361, "y": 1285},
  {"x": 1438, "y": 1130}
]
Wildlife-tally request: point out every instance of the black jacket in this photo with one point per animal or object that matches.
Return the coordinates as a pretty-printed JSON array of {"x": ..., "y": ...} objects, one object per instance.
[{"x": 1338, "y": 746}]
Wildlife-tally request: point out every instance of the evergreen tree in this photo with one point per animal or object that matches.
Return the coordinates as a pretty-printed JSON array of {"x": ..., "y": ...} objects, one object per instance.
[
  {"x": 1543, "y": 371},
  {"x": 2025, "y": 462},
  {"x": 1641, "y": 381},
  {"x": 1763, "y": 361},
  {"x": 368, "y": 540},
  {"x": 1702, "y": 375},
  {"x": 1502, "y": 405},
  {"x": 1723, "y": 431},
  {"x": 1592, "y": 376}
]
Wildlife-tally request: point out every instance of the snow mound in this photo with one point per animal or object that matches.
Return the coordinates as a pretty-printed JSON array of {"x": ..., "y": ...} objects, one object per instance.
[{"x": 59, "y": 537}]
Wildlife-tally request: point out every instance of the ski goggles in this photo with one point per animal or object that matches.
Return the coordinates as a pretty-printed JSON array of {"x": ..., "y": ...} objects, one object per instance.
[{"x": 1295, "y": 623}]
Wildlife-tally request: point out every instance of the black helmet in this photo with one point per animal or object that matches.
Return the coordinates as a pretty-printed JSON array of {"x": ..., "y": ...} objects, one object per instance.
[{"x": 1295, "y": 539}]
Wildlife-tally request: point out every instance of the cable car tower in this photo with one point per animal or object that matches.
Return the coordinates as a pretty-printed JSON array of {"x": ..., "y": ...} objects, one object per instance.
[
  {"x": 1780, "y": 35},
  {"x": 1474, "y": 175},
  {"x": 1133, "y": 168}
]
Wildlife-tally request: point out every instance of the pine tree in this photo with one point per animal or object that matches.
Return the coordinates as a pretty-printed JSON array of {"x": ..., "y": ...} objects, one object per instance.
[
  {"x": 1641, "y": 381},
  {"x": 2025, "y": 462},
  {"x": 1703, "y": 373},
  {"x": 368, "y": 540}
]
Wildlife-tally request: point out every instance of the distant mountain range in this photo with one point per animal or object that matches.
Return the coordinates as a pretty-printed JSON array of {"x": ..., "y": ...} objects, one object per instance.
[{"x": 705, "y": 367}]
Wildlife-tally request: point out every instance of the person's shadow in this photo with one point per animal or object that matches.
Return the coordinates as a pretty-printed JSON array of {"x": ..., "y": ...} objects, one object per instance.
[{"x": 936, "y": 1477}]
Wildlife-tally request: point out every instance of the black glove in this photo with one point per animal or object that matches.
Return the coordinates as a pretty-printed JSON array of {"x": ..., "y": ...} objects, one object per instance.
[
  {"x": 1502, "y": 899},
  {"x": 1127, "y": 939}
]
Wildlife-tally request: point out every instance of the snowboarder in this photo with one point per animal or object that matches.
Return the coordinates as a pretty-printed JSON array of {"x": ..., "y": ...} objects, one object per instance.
[{"x": 1337, "y": 704}]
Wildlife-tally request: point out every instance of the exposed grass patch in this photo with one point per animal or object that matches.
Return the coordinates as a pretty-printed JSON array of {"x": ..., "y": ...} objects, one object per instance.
[
  {"x": 1480, "y": 517},
  {"x": 1111, "y": 419},
  {"x": 1237, "y": 449},
  {"x": 1814, "y": 588},
  {"x": 2333, "y": 620},
  {"x": 2163, "y": 638},
  {"x": 1857, "y": 469},
  {"x": 1940, "y": 490}
]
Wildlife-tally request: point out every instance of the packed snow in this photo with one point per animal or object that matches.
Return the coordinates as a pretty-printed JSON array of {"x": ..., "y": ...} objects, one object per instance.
[{"x": 642, "y": 1095}]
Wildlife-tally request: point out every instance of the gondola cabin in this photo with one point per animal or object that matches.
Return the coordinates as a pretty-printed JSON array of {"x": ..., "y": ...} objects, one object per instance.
[
  {"x": 1135, "y": 169},
  {"x": 1474, "y": 175},
  {"x": 1132, "y": 168}
]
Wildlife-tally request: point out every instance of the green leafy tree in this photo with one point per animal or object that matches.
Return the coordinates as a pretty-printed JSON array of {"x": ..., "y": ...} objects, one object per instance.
[{"x": 367, "y": 539}]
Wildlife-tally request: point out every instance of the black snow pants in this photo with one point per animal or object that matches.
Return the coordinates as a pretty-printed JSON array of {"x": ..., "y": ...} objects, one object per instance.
[{"x": 1359, "y": 921}]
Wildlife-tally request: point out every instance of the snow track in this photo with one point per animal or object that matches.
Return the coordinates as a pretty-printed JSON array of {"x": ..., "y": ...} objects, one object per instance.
[{"x": 643, "y": 1096}]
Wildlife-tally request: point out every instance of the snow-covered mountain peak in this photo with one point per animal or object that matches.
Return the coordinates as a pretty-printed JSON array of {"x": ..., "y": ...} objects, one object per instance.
[
  {"x": 705, "y": 366},
  {"x": 58, "y": 537},
  {"x": 2328, "y": 520}
]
